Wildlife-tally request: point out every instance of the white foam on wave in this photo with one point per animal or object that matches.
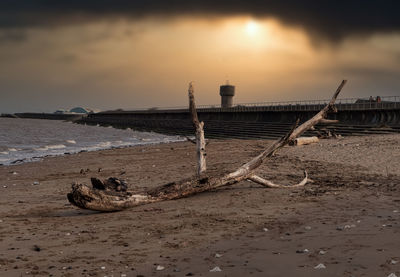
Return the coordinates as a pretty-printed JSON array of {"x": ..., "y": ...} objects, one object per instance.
[
  {"x": 4, "y": 153},
  {"x": 105, "y": 144},
  {"x": 70, "y": 141},
  {"x": 13, "y": 149},
  {"x": 56, "y": 146},
  {"x": 50, "y": 147}
]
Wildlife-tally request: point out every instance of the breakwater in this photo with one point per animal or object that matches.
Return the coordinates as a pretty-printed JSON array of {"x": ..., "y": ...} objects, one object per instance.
[
  {"x": 248, "y": 122},
  {"x": 49, "y": 116}
]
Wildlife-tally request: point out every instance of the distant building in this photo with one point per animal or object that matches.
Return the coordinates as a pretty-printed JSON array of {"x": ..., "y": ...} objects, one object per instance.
[
  {"x": 80, "y": 110},
  {"x": 76, "y": 110}
]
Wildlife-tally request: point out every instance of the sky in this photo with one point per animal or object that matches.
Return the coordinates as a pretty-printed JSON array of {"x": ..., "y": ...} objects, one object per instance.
[{"x": 111, "y": 54}]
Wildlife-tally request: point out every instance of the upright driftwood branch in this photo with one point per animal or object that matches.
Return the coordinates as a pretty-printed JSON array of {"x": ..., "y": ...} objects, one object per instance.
[
  {"x": 199, "y": 129},
  {"x": 111, "y": 195}
]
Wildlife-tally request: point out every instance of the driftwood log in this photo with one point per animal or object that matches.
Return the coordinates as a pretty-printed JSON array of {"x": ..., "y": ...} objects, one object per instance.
[
  {"x": 304, "y": 141},
  {"x": 113, "y": 195}
]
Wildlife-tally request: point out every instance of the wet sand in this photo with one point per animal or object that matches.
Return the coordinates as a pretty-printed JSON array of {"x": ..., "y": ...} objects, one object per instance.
[{"x": 347, "y": 219}]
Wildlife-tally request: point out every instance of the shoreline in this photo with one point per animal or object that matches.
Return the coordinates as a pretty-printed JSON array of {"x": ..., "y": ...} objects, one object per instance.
[
  {"x": 348, "y": 212},
  {"x": 39, "y": 158},
  {"x": 29, "y": 140}
]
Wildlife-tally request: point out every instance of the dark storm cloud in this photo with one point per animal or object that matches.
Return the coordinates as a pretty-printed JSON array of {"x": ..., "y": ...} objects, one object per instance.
[
  {"x": 16, "y": 35},
  {"x": 330, "y": 19}
]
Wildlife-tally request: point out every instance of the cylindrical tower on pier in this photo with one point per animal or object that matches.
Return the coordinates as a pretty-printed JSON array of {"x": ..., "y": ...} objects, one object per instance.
[{"x": 227, "y": 92}]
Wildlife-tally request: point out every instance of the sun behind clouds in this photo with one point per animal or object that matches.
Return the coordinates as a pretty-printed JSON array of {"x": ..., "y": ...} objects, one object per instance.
[{"x": 252, "y": 28}]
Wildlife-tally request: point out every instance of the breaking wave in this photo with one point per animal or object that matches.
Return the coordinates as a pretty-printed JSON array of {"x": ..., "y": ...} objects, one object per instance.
[{"x": 29, "y": 140}]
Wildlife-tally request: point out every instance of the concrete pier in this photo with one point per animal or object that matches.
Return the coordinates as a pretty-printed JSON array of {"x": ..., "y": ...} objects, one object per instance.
[
  {"x": 251, "y": 121},
  {"x": 254, "y": 122}
]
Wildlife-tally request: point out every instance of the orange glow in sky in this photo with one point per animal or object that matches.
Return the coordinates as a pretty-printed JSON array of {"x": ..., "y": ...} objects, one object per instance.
[{"x": 150, "y": 61}]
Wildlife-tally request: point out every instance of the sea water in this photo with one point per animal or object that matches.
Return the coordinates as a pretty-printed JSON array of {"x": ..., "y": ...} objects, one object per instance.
[{"x": 25, "y": 140}]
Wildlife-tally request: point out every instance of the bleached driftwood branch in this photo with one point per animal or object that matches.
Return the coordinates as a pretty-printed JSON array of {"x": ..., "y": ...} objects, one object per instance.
[
  {"x": 269, "y": 184},
  {"x": 111, "y": 195},
  {"x": 199, "y": 130}
]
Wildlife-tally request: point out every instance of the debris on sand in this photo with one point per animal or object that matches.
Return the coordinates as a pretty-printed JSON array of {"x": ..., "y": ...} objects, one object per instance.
[
  {"x": 320, "y": 266},
  {"x": 216, "y": 269}
]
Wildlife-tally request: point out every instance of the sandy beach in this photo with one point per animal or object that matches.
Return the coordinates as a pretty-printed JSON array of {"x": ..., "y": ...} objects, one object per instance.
[{"x": 344, "y": 223}]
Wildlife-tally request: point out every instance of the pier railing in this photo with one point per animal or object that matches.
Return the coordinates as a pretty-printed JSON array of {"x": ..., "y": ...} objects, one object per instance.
[{"x": 343, "y": 104}]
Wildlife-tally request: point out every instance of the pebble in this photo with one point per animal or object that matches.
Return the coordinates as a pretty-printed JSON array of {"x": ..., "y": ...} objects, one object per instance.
[
  {"x": 307, "y": 228},
  {"x": 35, "y": 183},
  {"x": 216, "y": 269},
  {"x": 320, "y": 266},
  {"x": 160, "y": 267},
  {"x": 265, "y": 229},
  {"x": 322, "y": 252},
  {"x": 392, "y": 275},
  {"x": 103, "y": 267},
  {"x": 218, "y": 255},
  {"x": 123, "y": 275},
  {"x": 394, "y": 262},
  {"x": 5, "y": 187},
  {"x": 1, "y": 220},
  {"x": 68, "y": 234},
  {"x": 302, "y": 251}
]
